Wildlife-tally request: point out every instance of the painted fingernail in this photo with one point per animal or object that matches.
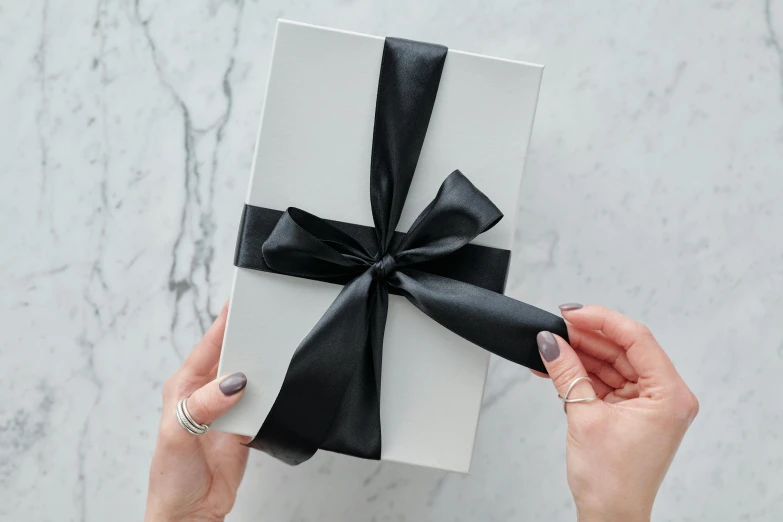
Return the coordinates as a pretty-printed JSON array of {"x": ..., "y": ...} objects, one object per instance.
[
  {"x": 547, "y": 345},
  {"x": 234, "y": 383},
  {"x": 570, "y": 306}
]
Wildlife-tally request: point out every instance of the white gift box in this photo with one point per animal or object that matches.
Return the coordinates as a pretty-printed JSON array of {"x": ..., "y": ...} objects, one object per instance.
[{"x": 313, "y": 152}]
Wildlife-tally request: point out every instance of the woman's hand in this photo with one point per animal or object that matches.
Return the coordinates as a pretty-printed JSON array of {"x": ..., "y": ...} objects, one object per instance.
[
  {"x": 618, "y": 449},
  {"x": 195, "y": 478}
]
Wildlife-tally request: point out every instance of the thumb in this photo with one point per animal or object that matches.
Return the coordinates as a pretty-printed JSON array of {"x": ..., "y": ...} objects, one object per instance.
[
  {"x": 563, "y": 366},
  {"x": 215, "y": 398}
]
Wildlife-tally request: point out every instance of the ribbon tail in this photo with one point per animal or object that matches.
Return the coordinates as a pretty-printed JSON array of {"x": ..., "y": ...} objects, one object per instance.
[
  {"x": 495, "y": 322},
  {"x": 356, "y": 429},
  {"x": 330, "y": 393}
]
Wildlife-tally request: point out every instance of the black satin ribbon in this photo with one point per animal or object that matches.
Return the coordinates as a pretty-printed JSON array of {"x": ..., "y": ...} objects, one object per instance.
[
  {"x": 477, "y": 265},
  {"x": 330, "y": 397}
]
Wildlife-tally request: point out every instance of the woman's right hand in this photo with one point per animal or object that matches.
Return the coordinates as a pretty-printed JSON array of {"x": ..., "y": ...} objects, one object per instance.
[{"x": 618, "y": 449}]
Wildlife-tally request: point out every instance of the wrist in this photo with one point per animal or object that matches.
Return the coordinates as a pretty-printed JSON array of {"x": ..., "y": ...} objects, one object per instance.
[
  {"x": 609, "y": 518},
  {"x": 614, "y": 513},
  {"x": 164, "y": 518},
  {"x": 154, "y": 515}
]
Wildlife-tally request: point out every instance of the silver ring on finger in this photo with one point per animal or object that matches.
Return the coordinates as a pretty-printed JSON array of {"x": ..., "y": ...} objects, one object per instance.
[
  {"x": 567, "y": 401},
  {"x": 187, "y": 422}
]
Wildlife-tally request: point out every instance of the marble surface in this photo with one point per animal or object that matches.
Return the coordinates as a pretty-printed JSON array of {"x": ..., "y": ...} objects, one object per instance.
[{"x": 653, "y": 187}]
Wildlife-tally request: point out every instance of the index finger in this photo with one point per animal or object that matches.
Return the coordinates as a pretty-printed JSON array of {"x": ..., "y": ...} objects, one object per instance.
[
  {"x": 643, "y": 351},
  {"x": 204, "y": 357}
]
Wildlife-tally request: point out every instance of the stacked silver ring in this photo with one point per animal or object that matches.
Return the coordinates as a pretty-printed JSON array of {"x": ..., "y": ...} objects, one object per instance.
[{"x": 187, "y": 422}]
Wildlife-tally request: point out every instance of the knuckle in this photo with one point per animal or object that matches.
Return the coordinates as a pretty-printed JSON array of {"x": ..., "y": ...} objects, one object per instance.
[
  {"x": 169, "y": 386},
  {"x": 169, "y": 432},
  {"x": 603, "y": 311},
  {"x": 202, "y": 408},
  {"x": 610, "y": 376},
  {"x": 166, "y": 441},
  {"x": 589, "y": 426},
  {"x": 642, "y": 331},
  {"x": 686, "y": 406},
  {"x": 589, "y": 362},
  {"x": 604, "y": 371},
  {"x": 693, "y": 406},
  {"x": 563, "y": 375}
]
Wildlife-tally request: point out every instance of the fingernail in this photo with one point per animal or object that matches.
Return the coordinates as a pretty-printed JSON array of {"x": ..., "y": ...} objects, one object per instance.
[
  {"x": 547, "y": 345},
  {"x": 570, "y": 306},
  {"x": 234, "y": 383}
]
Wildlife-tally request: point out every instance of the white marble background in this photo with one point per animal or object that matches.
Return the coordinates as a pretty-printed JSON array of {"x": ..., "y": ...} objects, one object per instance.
[{"x": 654, "y": 186}]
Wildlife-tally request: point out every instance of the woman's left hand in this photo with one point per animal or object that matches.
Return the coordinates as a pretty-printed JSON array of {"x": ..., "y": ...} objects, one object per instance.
[{"x": 195, "y": 478}]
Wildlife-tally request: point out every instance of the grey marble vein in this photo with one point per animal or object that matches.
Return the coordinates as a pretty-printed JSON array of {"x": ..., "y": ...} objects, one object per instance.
[
  {"x": 774, "y": 41},
  {"x": 40, "y": 61}
]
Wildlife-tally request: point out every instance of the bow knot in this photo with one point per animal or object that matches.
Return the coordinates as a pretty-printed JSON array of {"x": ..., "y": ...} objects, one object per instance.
[{"x": 384, "y": 267}]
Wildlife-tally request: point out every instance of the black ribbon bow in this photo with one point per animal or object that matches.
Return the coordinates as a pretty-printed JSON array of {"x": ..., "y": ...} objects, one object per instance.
[{"x": 330, "y": 397}]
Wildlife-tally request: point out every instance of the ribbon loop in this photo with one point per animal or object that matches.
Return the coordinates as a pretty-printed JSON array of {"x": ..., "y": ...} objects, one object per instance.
[
  {"x": 457, "y": 214},
  {"x": 305, "y": 245}
]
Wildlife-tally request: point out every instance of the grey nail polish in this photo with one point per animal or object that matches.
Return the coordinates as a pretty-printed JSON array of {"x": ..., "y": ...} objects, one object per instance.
[
  {"x": 547, "y": 345},
  {"x": 234, "y": 383},
  {"x": 570, "y": 306}
]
